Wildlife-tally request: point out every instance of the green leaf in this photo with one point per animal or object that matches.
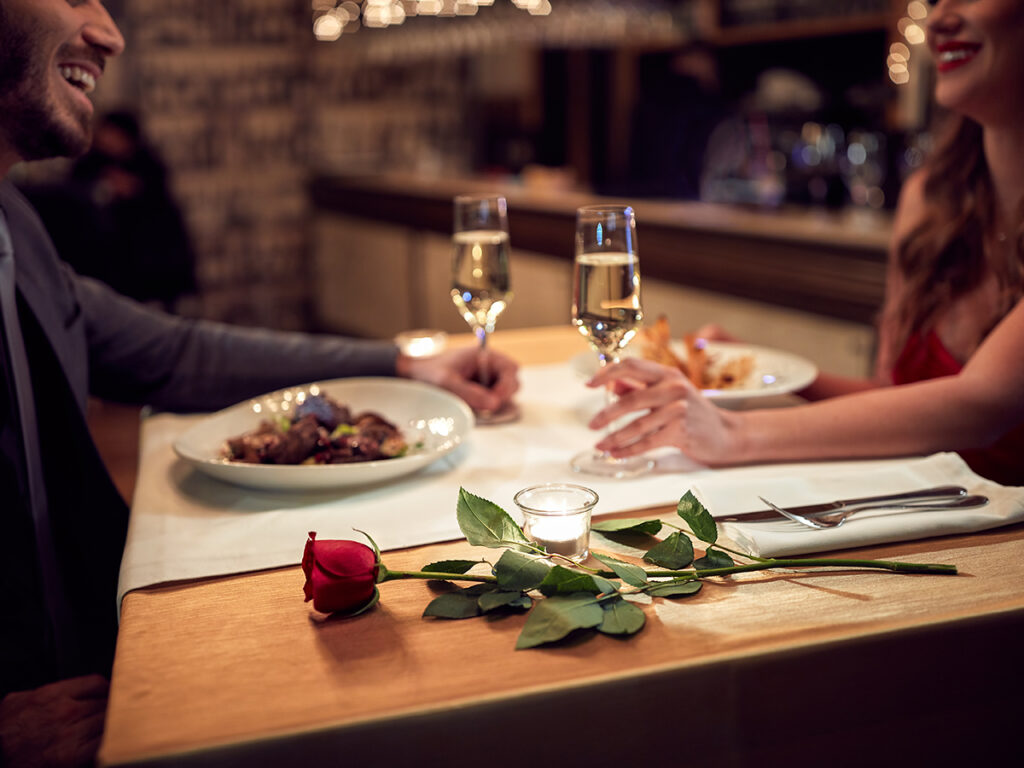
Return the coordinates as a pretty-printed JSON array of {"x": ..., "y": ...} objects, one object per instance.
[
  {"x": 698, "y": 518},
  {"x": 562, "y": 581},
  {"x": 515, "y": 571},
  {"x": 633, "y": 575},
  {"x": 675, "y": 551},
  {"x": 450, "y": 566},
  {"x": 382, "y": 571},
  {"x": 714, "y": 558},
  {"x": 453, "y": 605},
  {"x": 485, "y": 524},
  {"x": 621, "y": 618},
  {"x": 493, "y": 600},
  {"x": 676, "y": 588},
  {"x": 556, "y": 617},
  {"x": 627, "y": 525},
  {"x": 479, "y": 589}
]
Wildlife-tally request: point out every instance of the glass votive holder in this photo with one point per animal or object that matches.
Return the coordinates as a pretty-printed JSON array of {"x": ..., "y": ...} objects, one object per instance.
[
  {"x": 421, "y": 342},
  {"x": 557, "y": 518}
]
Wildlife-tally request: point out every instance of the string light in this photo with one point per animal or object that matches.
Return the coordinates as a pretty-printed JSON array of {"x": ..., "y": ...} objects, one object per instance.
[
  {"x": 910, "y": 26},
  {"x": 331, "y": 18}
]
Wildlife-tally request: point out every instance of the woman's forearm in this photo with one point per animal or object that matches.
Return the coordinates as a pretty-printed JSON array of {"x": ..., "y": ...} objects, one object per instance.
[
  {"x": 940, "y": 414},
  {"x": 828, "y": 385}
]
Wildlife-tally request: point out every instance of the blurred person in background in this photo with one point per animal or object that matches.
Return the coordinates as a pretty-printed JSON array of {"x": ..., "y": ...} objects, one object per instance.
[
  {"x": 679, "y": 107},
  {"x": 114, "y": 218},
  {"x": 950, "y": 373},
  {"x": 62, "y": 521}
]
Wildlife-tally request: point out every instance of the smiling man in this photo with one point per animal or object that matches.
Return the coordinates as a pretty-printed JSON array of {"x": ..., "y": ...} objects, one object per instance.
[
  {"x": 62, "y": 522},
  {"x": 52, "y": 54}
]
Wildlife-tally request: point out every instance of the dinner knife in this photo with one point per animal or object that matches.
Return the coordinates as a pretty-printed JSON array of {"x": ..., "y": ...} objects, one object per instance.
[{"x": 937, "y": 494}]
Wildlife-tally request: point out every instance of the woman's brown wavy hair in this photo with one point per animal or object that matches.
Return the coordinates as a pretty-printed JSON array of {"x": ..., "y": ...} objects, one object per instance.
[{"x": 946, "y": 255}]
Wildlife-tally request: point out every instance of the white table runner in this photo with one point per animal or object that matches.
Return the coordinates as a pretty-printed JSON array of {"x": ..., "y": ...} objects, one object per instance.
[{"x": 185, "y": 525}]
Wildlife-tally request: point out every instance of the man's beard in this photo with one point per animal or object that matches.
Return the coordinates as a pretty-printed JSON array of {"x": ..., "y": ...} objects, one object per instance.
[{"x": 28, "y": 123}]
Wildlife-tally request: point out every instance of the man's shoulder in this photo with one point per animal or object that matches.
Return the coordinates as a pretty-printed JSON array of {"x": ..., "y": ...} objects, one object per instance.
[{"x": 21, "y": 216}]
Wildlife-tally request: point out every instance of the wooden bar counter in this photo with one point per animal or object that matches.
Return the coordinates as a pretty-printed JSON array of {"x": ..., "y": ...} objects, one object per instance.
[{"x": 838, "y": 668}]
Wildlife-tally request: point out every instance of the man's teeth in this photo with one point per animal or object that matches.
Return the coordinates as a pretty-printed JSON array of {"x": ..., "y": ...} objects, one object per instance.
[
  {"x": 957, "y": 55},
  {"x": 79, "y": 78}
]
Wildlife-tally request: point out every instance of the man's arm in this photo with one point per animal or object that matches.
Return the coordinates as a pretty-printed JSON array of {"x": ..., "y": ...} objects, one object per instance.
[{"x": 145, "y": 356}]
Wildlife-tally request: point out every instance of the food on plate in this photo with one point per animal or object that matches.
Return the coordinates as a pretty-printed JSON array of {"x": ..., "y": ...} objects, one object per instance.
[
  {"x": 319, "y": 431},
  {"x": 705, "y": 369}
]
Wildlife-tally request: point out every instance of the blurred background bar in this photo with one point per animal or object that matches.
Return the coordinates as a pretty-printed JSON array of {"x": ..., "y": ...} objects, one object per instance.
[{"x": 312, "y": 148}]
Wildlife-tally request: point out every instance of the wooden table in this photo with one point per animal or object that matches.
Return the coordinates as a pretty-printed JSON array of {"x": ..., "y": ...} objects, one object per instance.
[{"x": 816, "y": 669}]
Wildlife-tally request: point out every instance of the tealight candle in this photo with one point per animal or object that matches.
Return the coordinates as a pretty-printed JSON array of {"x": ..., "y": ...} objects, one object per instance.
[
  {"x": 422, "y": 342},
  {"x": 557, "y": 517}
]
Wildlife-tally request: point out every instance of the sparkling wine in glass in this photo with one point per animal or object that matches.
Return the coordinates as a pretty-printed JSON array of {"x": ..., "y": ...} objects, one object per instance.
[
  {"x": 606, "y": 306},
  {"x": 480, "y": 274}
]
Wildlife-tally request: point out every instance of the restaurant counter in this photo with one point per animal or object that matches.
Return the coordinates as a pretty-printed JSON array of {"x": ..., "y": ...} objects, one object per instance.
[{"x": 827, "y": 263}]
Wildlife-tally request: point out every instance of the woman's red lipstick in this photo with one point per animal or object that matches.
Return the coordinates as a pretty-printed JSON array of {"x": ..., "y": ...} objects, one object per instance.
[{"x": 953, "y": 54}]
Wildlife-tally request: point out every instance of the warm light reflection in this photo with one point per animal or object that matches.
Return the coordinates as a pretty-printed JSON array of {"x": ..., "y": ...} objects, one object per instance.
[
  {"x": 914, "y": 34},
  {"x": 917, "y": 10},
  {"x": 328, "y": 27},
  {"x": 331, "y": 19},
  {"x": 898, "y": 60}
]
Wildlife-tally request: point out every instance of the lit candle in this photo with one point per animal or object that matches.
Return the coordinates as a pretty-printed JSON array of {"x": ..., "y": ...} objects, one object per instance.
[
  {"x": 557, "y": 517},
  {"x": 421, "y": 343}
]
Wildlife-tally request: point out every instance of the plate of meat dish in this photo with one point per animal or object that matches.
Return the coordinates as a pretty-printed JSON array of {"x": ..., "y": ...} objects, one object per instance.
[
  {"x": 727, "y": 372},
  {"x": 328, "y": 434}
]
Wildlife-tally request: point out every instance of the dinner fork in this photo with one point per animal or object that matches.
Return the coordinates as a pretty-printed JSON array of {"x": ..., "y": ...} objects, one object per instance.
[{"x": 837, "y": 518}]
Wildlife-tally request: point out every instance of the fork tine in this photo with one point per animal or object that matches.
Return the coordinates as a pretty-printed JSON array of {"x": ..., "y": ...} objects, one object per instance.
[{"x": 794, "y": 517}]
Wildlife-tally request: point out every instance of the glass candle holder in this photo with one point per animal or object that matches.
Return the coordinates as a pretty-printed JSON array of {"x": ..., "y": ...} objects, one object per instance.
[
  {"x": 422, "y": 342},
  {"x": 557, "y": 517}
]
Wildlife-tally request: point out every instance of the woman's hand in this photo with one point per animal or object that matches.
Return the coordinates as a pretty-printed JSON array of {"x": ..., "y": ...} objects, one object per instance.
[
  {"x": 714, "y": 332},
  {"x": 678, "y": 415}
]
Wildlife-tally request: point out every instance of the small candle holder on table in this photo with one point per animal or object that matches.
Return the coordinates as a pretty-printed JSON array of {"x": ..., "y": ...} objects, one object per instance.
[
  {"x": 557, "y": 518},
  {"x": 422, "y": 342}
]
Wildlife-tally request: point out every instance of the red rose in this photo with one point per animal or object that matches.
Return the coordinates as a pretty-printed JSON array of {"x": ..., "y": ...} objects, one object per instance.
[{"x": 340, "y": 575}]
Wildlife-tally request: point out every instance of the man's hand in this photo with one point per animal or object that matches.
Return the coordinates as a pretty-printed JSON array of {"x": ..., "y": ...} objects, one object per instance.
[
  {"x": 59, "y": 724},
  {"x": 459, "y": 371}
]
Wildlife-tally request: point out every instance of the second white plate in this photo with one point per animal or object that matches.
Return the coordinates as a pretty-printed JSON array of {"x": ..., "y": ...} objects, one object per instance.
[{"x": 774, "y": 371}]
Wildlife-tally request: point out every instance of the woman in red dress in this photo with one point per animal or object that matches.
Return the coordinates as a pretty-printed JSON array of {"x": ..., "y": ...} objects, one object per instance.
[{"x": 950, "y": 372}]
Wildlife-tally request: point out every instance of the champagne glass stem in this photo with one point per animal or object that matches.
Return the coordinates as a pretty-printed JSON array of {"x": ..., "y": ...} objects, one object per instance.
[
  {"x": 609, "y": 396},
  {"x": 483, "y": 367}
]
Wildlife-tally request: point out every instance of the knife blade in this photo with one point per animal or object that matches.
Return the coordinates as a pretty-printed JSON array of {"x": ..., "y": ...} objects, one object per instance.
[{"x": 939, "y": 493}]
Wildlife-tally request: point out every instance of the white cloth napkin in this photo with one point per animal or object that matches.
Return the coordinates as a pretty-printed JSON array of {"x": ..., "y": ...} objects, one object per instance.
[
  {"x": 731, "y": 493},
  {"x": 185, "y": 525}
]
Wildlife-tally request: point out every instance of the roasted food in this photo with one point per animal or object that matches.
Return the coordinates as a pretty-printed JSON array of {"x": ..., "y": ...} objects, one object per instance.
[
  {"x": 703, "y": 369},
  {"x": 320, "y": 431}
]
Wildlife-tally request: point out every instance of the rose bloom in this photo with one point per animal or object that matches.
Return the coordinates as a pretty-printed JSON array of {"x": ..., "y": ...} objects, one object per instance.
[{"x": 340, "y": 575}]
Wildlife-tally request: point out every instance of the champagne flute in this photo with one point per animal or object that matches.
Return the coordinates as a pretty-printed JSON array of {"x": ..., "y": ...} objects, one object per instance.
[
  {"x": 480, "y": 273},
  {"x": 606, "y": 307}
]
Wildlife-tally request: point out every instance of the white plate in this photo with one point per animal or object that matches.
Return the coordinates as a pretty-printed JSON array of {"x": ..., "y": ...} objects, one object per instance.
[
  {"x": 425, "y": 414},
  {"x": 774, "y": 372}
]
